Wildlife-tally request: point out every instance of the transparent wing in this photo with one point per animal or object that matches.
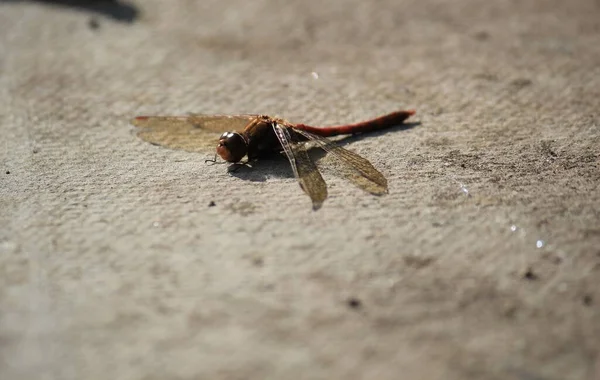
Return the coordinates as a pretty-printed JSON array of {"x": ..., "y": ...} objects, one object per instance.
[
  {"x": 355, "y": 168},
  {"x": 304, "y": 168},
  {"x": 192, "y": 133}
]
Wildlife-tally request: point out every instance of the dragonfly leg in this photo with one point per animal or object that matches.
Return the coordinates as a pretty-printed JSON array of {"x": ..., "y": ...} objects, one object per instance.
[
  {"x": 238, "y": 165},
  {"x": 213, "y": 161}
]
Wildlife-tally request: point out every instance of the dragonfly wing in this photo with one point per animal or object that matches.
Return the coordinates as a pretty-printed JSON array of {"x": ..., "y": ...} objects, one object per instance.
[
  {"x": 355, "y": 168},
  {"x": 304, "y": 168},
  {"x": 192, "y": 133}
]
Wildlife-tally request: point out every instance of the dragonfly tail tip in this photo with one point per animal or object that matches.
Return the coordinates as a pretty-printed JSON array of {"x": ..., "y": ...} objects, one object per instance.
[{"x": 138, "y": 120}]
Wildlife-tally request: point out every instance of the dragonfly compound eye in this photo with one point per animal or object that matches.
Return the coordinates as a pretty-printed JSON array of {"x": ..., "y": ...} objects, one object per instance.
[{"x": 232, "y": 147}]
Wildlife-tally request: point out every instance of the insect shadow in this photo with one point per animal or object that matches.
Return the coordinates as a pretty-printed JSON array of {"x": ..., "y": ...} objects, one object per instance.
[
  {"x": 273, "y": 165},
  {"x": 277, "y": 165},
  {"x": 115, "y": 9}
]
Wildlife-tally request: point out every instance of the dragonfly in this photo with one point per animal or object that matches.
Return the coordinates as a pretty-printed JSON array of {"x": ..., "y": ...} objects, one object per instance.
[{"x": 254, "y": 136}]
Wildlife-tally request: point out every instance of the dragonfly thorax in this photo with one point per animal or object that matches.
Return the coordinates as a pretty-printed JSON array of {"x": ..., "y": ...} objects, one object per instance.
[{"x": 232, "y": 146}]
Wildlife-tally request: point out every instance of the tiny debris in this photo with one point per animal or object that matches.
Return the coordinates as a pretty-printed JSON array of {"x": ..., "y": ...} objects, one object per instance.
[
  {"x": 354, "y": 303},
  {"x": 8, "y": 172},
  {"x": 211, "y": 204},
  {"x": 93, "y": 23},
  {"x": 521, "y": 83},
  {"x": 482, "y": 35},
  {"x": 588, "y": 300},
  {"x": 418, "y": 261},
  {"x": 529, "y": 275},
  {"x": 36, "y": 150},
  {"x": 258, "y": 261},
  {"x": 510, "y": 311},
  {"x": 539, "y": 244}
]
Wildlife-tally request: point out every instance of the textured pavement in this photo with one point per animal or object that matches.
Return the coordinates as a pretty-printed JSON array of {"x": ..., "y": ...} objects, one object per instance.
[{"x": 482, "y": 262}]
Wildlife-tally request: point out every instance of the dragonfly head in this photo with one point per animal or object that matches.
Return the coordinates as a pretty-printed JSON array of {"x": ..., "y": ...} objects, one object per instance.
[{"x": 232, "y": 146}]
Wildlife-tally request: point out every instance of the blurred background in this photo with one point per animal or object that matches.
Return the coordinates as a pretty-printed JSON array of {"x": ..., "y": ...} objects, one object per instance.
[{"x": 123, "y": 260}]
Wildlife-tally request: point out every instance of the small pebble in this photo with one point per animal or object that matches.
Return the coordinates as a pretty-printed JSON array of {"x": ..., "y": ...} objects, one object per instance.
[
  {"x": 93, "y": 24},
  {"x": 529, "y": 275},
  {"x": 354, "y": 303}
]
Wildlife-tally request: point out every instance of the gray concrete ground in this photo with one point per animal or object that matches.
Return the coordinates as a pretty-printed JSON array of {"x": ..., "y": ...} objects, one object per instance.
[{"x": 483, "y": 261}]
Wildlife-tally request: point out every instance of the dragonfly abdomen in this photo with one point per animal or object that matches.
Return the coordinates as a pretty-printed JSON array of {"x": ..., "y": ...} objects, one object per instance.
[{"x": 387, "y": 121}]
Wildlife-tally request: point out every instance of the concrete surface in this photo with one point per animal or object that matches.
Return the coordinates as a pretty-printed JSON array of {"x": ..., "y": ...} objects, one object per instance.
[{"x": 483, "y": 262}]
